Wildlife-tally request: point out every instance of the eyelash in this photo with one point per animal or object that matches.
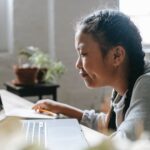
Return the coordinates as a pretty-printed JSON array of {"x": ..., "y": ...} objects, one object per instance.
[{"x": 83, "y": 54}]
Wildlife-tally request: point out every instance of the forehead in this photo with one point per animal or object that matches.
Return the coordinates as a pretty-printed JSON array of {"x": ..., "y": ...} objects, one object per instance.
[
  {"x": 82, "y": 37},
  {"x": 85, "y": 40}
]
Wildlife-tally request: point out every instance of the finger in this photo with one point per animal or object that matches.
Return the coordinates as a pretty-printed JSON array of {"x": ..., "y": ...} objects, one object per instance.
[{"x": 35, "y": 107}]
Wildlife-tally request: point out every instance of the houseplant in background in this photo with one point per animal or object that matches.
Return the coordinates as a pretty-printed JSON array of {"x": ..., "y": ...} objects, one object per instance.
[
  {"x": 42, "y": 61},
  {"x": 48, "y": 70},
  {"x": 24, "y": 71}
]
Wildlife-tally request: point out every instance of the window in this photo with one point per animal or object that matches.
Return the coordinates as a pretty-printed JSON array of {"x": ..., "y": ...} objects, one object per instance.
[
  {"x": 6, "y": 25},
  {"x": 139, "y": 11}
]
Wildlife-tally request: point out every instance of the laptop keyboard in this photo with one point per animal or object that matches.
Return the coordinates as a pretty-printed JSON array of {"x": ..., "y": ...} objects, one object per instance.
[
  {"x": 55, "y": 134},
  {"x": 36, "y": 132}
]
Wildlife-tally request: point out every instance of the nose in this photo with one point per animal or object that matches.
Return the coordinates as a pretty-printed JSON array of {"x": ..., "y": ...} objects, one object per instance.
[{"x": 78, "y": 63}]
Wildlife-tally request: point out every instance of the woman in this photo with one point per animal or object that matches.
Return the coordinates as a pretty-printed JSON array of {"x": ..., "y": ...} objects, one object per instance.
[{"x": 110, "y": 54}]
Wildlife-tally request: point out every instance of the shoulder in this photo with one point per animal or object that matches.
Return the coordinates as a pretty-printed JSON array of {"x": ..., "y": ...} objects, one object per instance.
[
  {"x": 142, "y": 79},
  {"x": 140, "y": 103},
  {"x": 141, "y": 93},
  {"x": 143, "y": 82},
  {"x": 141, "y": 87},
  {"x": 147, "y": 67}
]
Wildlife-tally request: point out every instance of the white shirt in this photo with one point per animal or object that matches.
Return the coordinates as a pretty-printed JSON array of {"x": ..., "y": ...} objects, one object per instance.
[{"x": 118, "y": 105}]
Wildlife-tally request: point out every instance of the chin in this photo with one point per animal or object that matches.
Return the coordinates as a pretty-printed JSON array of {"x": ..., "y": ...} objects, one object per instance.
[{"x": 90, "y": 85}]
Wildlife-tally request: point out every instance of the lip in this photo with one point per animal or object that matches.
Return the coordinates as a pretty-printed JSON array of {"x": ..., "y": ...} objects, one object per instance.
[{"x": 83, "y": 74}]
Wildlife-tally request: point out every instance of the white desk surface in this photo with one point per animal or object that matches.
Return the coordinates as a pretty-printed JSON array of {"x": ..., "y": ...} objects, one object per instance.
[{"x": 92, "y": 136}]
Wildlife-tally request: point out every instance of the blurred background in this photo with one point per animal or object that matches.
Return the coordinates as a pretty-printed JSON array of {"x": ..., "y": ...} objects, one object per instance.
[{"x": 49, "y": 25}]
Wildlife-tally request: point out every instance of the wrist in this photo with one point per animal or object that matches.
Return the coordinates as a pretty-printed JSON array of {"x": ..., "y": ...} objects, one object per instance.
[{"x": 60, "y": 108}]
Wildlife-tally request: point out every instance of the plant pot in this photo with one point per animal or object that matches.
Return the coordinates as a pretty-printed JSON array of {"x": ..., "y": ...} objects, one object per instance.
[
  {"x": 25, "y": 76},
  {"x": 41, "y": 75}
]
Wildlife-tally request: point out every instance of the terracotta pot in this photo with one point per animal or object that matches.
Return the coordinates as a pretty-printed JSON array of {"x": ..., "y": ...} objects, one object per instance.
[{"x": 25, "y": 76}]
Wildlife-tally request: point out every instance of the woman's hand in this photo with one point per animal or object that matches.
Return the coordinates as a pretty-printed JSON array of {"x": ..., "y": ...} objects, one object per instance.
[
  {"x": 57, "y": 107},
  {"x": 49, "y": 105}
]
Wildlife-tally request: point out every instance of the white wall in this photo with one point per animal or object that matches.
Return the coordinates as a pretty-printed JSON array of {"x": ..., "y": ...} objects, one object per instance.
[
  {"x": 31, "y": 23},
  {"x": 31, "y": 28}
]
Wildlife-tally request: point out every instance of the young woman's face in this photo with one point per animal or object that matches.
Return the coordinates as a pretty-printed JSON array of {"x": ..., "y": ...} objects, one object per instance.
[{"x": 95, "y": 69}]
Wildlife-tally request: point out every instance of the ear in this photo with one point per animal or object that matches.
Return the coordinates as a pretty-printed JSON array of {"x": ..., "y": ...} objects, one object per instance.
[{"x": 118, "y": 55}]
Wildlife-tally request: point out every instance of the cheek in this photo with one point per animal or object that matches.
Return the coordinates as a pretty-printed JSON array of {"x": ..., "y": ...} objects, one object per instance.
[
  {"x": 97, "y": 66},
  {"x": 93, "y": 66},
  {"x": 93, "y": 70},
  {"x": 88, "y": 66},
  {"x": 99, "y": 70},
  {"x": 105, "y": 72}
]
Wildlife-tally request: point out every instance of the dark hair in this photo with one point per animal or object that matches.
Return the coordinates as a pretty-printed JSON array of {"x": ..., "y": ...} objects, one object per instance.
[{"x": 111, "y": 28}]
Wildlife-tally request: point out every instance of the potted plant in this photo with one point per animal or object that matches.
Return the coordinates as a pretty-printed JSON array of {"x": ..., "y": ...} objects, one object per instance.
[
  {"x": 54, "y": 72},
  {"x": 25, "y": 71},
  {"x": 47, "y": 69},
  {"x": 42, "y": 62}
]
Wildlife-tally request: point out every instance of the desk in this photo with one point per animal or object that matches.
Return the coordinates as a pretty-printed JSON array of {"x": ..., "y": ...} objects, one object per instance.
[
  {"x": 39, "y": 89},
  {"x": 91, "y": 136}
]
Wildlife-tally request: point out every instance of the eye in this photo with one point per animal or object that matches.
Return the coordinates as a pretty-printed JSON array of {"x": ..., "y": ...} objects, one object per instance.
[{"x": 83, "y": 54}]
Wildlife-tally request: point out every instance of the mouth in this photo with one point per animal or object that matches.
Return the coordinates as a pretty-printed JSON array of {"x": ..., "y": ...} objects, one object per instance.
[{"x": 83, "y": 74}]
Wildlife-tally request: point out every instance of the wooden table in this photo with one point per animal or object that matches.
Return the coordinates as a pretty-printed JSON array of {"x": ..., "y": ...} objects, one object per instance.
[{"x": 39, "y": 89}]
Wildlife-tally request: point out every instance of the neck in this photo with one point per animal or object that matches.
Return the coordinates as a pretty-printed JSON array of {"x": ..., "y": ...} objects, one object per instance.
[
  {"x": 120, "y": 83},
  {"x": 121, "y": 88}
]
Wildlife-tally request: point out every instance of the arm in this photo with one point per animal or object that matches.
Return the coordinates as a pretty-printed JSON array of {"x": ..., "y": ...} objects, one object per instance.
[
  {"x": 88, "y": 118},
  {"x": 58, "y": 107}
]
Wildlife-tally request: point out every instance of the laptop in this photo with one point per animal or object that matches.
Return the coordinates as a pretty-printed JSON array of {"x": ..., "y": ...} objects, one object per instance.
[
  {"x": 52, "y": 134},
  {"x": 55, "y": 134}
]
